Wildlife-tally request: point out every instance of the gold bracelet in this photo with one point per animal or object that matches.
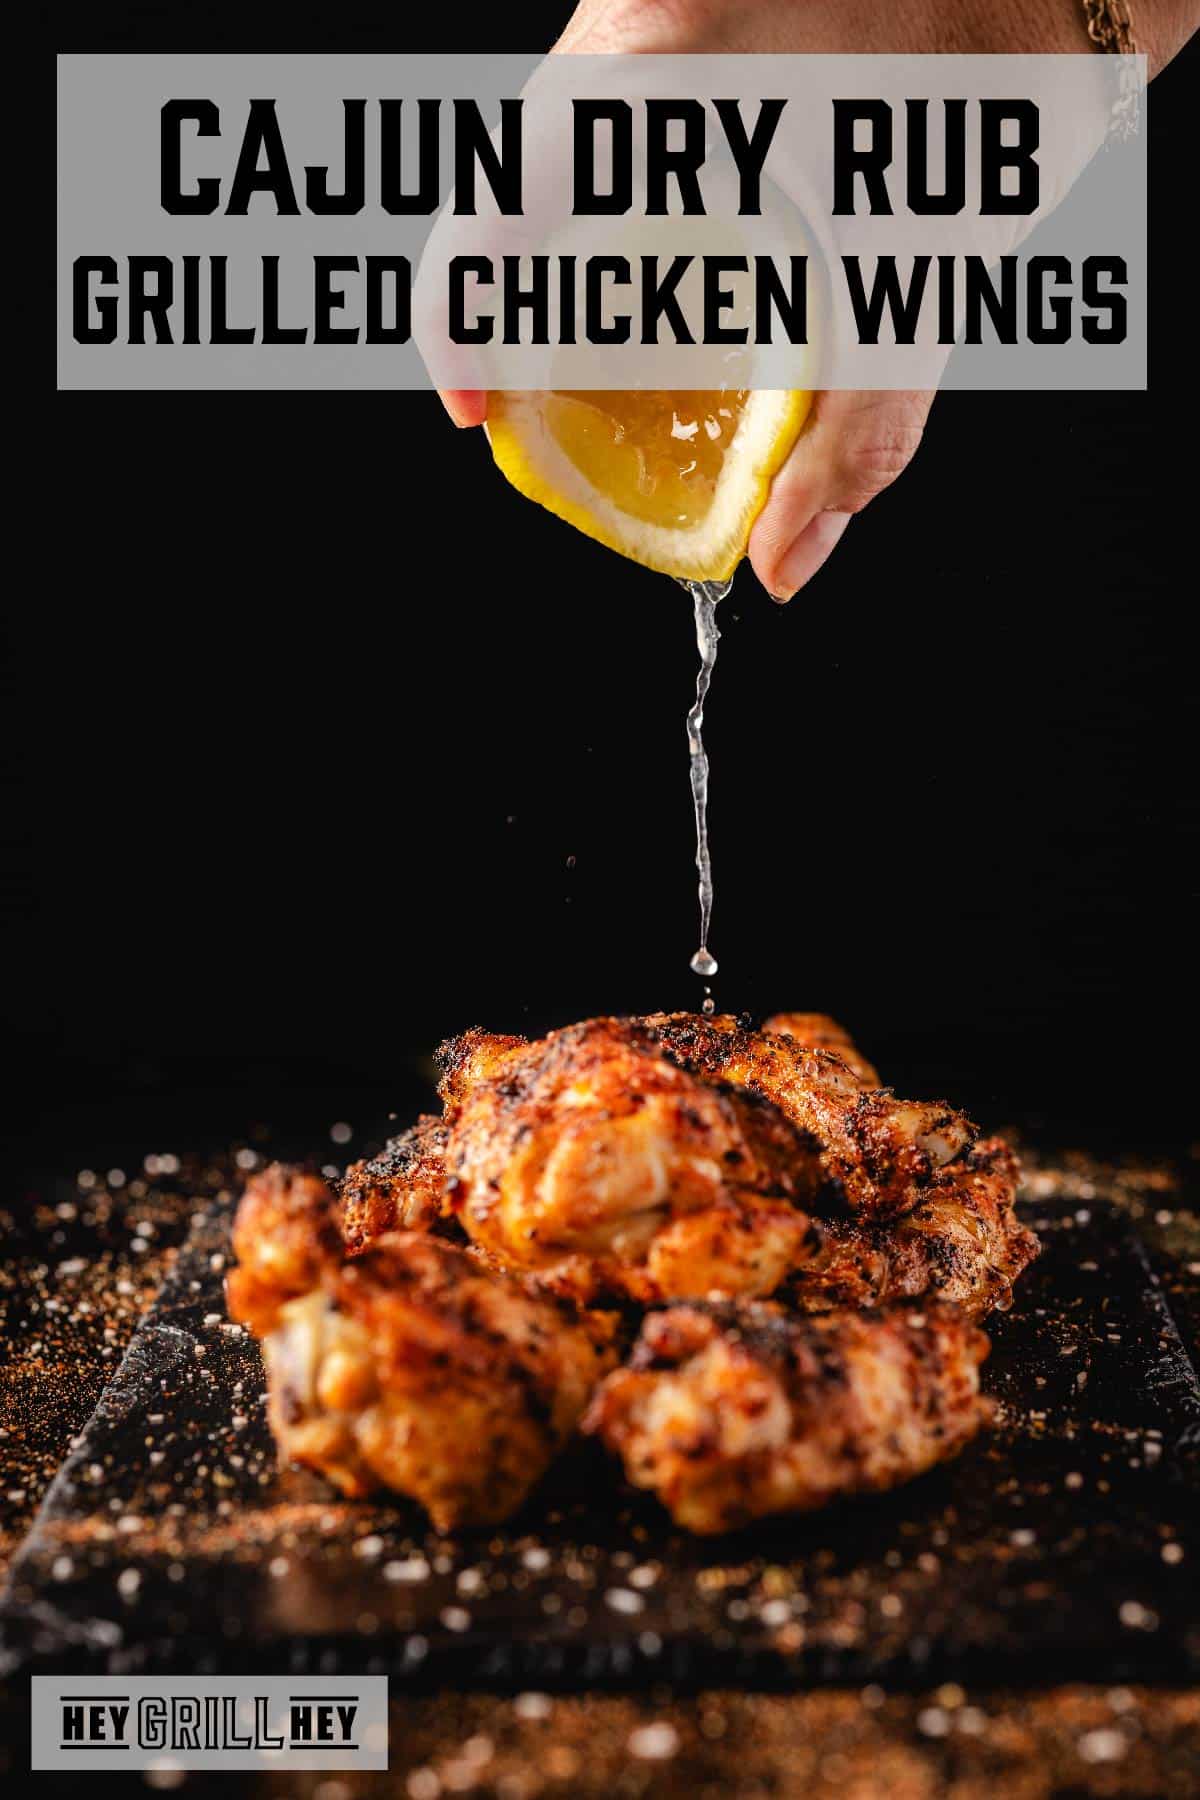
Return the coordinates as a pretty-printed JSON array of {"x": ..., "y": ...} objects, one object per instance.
[{"x": 1110, "y": 27}]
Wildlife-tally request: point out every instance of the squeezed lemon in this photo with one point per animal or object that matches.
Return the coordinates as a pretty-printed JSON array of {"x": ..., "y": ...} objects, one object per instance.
[
  {"x": 657, "y": 455},
  {"x": 673, "y": 479}
]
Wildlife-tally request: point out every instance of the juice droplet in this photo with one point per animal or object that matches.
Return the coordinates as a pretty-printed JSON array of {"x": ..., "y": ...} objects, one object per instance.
[
  {"x": 710, "y": 1005},
  {"x": 705, "y": 596}
]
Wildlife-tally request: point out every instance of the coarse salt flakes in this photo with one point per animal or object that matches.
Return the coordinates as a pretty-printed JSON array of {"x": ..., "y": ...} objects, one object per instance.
[
  {"x": 654, "y": 1743},
  {"x": 623, "y": 1600},
  {"x": 455, "y": 1618},
  {"x": 532, "y": 1707},
  {"x": 410, "y": 1568},
  {"x": 536, "y": 1559},
  {"x": 1137, "y": 1617},
  {"x": 1103, "y": 1745},
  {"x": 933, "y": 1721}
]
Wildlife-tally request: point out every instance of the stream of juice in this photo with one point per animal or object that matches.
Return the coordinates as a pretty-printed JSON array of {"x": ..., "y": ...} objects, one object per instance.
[{"x": 705, "y": 598}]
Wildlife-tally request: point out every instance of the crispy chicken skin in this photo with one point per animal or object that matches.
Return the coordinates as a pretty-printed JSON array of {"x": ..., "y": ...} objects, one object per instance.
[
  {"x": 429, "y": 1330},
  {"x": 597, "y": 1162},
  {"x": 817, "y": 1031},
  {"x": 285, "y": 1236},
  {"x": 401, "y": 1189},
  {"x": 963, "y": 1242},
  {"x": 409, "y": 1366},
  {"x": 730, "y": 1413},
  {"x": 884, "y": 1152}
]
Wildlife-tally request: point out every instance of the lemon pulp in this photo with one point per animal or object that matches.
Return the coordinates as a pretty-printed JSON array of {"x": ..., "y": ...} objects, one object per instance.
[
  {"x": 657, "y": 454},
  {"x": 673, "y": 479}
]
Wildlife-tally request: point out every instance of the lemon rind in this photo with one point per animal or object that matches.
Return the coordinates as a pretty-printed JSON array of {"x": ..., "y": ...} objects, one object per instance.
[{"x": 537, "y": 466}]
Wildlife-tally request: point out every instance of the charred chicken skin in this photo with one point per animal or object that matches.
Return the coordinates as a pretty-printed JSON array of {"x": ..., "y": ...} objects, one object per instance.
[
  {"x": 434, "y": 1331},
  {"x": 884, "y": 1152},
  {"x": 595, "y": 1161},
  {"x": 817, "y": 1031},
  {"x": 401, "y": 1189},
  {"x": 732, "y": 1413},
  {"x": 409, "y": 1366},
  {"x": 962, "y": 1242}
]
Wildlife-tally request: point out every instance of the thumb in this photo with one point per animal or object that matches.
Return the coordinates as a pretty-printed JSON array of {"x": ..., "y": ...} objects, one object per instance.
[
  {"x": 466, "y": 406},
  {"x": 852, "y": 447}
]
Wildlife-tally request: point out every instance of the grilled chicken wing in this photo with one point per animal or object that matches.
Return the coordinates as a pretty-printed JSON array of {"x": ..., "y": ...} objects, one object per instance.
[
  {"x": 962, "y": 1242},
  {"x": 409, "y": 1366},
  {"x": 883, "y": 1151},
  {"x": 594, "y": 1160},
  {"x": 729, "y": 1413},
  {"x": 401, "y": 1189},
  {"x": 817, "y": 1031}
]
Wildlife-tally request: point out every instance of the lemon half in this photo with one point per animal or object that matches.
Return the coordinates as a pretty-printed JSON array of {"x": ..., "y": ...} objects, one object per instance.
[{"x": 674, "y": 480}]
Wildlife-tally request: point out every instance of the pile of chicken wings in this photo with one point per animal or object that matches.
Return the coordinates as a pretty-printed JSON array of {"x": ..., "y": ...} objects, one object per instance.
[{"x": 729, "y": 1253}]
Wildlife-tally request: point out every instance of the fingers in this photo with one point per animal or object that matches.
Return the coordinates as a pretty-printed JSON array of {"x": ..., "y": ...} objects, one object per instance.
[
  {"x": 466, "y": 406},
  {"x": 815, "y": 543},
  {"x": 854, "y": 445}
]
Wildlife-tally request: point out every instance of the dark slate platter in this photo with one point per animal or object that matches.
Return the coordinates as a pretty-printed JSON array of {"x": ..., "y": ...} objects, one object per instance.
[{"x": 1064, "y": 1545}]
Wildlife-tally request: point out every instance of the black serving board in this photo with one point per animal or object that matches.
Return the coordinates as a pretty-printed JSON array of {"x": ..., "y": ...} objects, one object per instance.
[{"x": 1061, "y": 1545}]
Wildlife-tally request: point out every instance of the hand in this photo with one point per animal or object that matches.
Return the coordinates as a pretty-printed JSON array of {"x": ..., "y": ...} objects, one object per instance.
[{"x": 854, "y": 444}]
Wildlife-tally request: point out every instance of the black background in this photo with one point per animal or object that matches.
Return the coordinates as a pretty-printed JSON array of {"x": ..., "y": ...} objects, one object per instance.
[{"x": 312, "y": 713}]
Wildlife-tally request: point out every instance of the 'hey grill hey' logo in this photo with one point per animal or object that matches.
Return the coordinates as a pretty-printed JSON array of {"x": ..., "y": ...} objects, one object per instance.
[{"x": 202, "y": 1722}]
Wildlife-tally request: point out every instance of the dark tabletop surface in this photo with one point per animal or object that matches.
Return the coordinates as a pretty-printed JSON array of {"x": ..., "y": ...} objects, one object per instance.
[{"x": 87, "y": 1258}]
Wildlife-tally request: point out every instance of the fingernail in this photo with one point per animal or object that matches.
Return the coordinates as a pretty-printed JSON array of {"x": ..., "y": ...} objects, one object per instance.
[
  {"x": 808, "y": 552},
  {"x": 793, "y": 570}
]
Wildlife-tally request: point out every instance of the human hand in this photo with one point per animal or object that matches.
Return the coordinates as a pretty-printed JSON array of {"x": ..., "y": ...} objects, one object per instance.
[{"x": 854, "y": 443}]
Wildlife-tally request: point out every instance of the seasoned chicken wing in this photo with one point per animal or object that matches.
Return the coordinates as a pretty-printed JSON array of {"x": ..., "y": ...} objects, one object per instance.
[
  {"x": 409, "y": 1366},
  {"x": 285, "y": 1236},
  {"x": 817, "y": 1031},
  {"x": 962, "y": 1242},
  {"x": 729, "y": 1413},
  {"x": 401, "y": 1189},
  {"x": 596, "y": 1161},
  {"x": 884, "y": 1152}
]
